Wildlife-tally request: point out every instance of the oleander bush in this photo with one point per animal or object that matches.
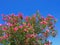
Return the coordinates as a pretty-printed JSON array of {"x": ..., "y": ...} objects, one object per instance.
[{"x": 29, "y": 30}]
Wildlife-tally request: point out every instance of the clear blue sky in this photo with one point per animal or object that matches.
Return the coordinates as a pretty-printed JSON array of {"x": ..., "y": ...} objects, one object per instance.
[{"x": 28, "y": 7}]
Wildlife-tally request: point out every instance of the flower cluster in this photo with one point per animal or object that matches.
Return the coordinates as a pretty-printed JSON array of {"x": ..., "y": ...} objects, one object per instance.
[{"x": 25, "y": 31}]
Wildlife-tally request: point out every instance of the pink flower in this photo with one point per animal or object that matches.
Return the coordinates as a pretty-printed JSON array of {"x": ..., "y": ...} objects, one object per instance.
[
  {"x": 20, "y": 15},
  {"x": 5, "y": 36},
  {"x": 42, "y": 18},
  {"x": 4, "y": 29},
  {"x": 27, "y": 35},
  {"x": 27, "y": 19},
  {"x": 9, "y": 18},
  {"x": 12, "y": 14},
  {"x": 29, "y": 24},
  {"x": 45, "y": 44},
  {"x": 53, "y": 32},
  {"x": 4, "y": 18},
  {"x": 32, "y": 36},
  {"x": 9, "y": 24},
  {"x": 0, "y": 24},
  {"x": 43, "y": 22},
  {"x": 45, "y": 34},
  {"x": 51, "y": 27},
  {"x": 24, "y": 24},
  {"x": 34, "y": 15},
  {"x": 50, "y": 16},
  {"x": 47, "y": 30},
  {"x": 1, "y": 38},
  {"x": 46, "y": 19},
  {"x": 31, "y": 27},
  {"x": 15, "y": 29},
  {"x": 21, "y": 26},
  {"x": 25, "y": 30}
]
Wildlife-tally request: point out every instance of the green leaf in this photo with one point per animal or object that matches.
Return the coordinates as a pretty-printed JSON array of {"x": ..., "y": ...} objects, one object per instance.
[
  {"x": 4, "y": 42},
  {"x": 8, "y": 43}
]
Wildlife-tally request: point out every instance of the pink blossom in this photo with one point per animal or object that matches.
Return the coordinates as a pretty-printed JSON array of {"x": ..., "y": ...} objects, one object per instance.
[
  {"x": 13, "y": 14},
  {"x": 51, "y": 27},
  {"x": 47, "y": 30},
  {"x": 25, "y": 30},
  {"x": 4, "y": 29},
  {"x": 9, "y": 24},
  {"x": 27, "y": 35},
  {"x": 34, "y": 15},
  {"x": 24, "y": 24},
  {"x": 45, "y": 44},
  {"x": 0, "y": 24},
  {"x": 45, "y": 34},
  {"x": 16, "y": 28},
  {"x": 20, "y": 15},
  {"x": 27, "y": 19},
  {"x": 21, "y": 26},
  {"x": 42, "y": 18},
  {"x": 32, "y": 35},
  {"x": 50, "y": 15},
  {"x": 5, "y": 36},
  {"x": 29, "y": 24},
  {"x": 9, "y": 17},
  {"x": 4, "y": 18},
  {"x": 46, "y": 19},
  {"x": 53, "y": 32},
  {"x": 31, "y": 27},
  {"x": 43, "y": 22},
  {"x": 48, "y": 43},
  {"x": 1, "y": 38}
]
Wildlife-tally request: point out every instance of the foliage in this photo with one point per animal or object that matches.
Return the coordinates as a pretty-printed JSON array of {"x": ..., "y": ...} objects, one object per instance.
[{"x": 33, "y": 30}]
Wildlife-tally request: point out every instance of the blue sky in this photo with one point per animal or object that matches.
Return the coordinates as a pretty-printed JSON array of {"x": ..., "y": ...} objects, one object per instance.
[{"x": 28, "y": 7}]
